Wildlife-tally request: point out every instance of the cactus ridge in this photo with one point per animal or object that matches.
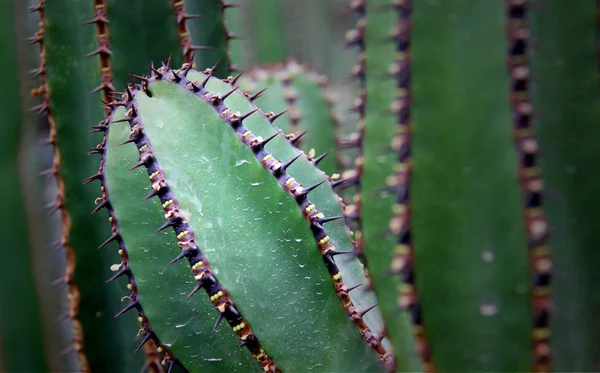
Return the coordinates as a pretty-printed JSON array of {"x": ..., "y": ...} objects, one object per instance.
[
  {"x": 184, "y": 33},
  {"x": 153, "y": 347},
  {"x": 103, "y": 49},
  {"x": 59, "y": 205},
  {"x": 353, "y": 173},
  {"x": 185, "y": 236},
  {"x": 400, "y": 225},
  {"x": 313, "y": 217},
  {"x": 531, "y": 183}
]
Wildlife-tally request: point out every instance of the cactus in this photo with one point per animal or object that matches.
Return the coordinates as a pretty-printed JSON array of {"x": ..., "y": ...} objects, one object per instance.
[{"x": 247, "y": 230}]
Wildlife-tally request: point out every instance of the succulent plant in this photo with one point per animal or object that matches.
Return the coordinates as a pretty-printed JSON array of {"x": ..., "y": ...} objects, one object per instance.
[{"x": 445, "y": 223}]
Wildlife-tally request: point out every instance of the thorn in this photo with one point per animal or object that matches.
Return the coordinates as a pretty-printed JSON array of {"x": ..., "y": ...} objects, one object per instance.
[
  {"x": 257, "y": 95},
  {"x": 335, "y": 253},
  {"x": 214, "y": 68},
  {"x": 274, "y": 117},
  {"x": 194, "y": 290},
  {"x": 175, "y": 76},
  {"x": 152, "y": 194},
  {"x": 189, "y": 65},
  {"x": 297, "y": 138},
  {"x": 100, "y": 50},
  {"x": 183, "y": 254},
  {"x": 141, "y": 163},
  {"x": 113, "y": 237},
  {"x": 305, "y": 191},
  {"x": 289, "y": 163},
  {"x": 67, "y": 351},
  {"x": 320, "y": 158},
  {"x": 96, "y": 20},
  {"x": 363, "y": 313},
  {"x": 120, "y": 120},
  {"x": 130, "y": 140},
  {"x": 100, "y": 206},
  {"x": 340, "y": 182},
  {"x": 332, "y": 218},
  {"x": 354, "y": 287},
  {"x": 53, "y": 207},
  {"x": 262, "y": 144},
  {"x": 169, "y": 223},
  {"x": 142, "y": 78},
  {"x": 131, "y": 305},
  {"x": 157, "y": 73},
  {"x": 219, "y": 318},
  {"x": 144, "y": 340},
  {"x": 123, "y": 271},
  {"x": 234, "y": 80},
  {"x": 247, "y": 114},
  {"x": 225, "y": 5},
  {"x": 97, "y": 176},
  {"x": 98, "y": 129},
  {"x": 59, "y": 281},
  {"x": 168, "y": 64},
  {"x": 208, "y": 76},
  {"x": 199, "y": 47},
  {"x": 229, "y": 93}
]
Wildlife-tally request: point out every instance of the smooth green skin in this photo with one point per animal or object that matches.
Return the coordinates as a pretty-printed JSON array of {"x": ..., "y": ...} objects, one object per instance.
[
  {"x": 234, "y": 19},
  {"x": 314, "y": 112},
  {"x": 467, "y": 202},
  {"x": 185, "y": 326},
  {"x": 139, "y": 35},
  {"x": 265, "y": 26},
  {"x": 20, "y": 326},
  {"x": 224, "y": 187},
  {"x": 326, "y": 201},
  {"x": 209, "y": 31},
  {"x": 71, "y": 77},
  {"x": 565, "y": 93},
  {"x": 378, "y": 165}
]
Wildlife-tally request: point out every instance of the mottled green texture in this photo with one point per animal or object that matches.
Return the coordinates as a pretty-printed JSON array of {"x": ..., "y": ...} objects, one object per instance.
[
  {"x": 378, "y": 166},
  {"x": 566, "y": 96},
  {"x": 139, "y": 35},
  {"x": 20, "y": 326},
  {"x": 209, "y": 31},
  {"x": 185, "y": 326},
  {"x": 70, "y": 78},
  {"x": 252, "y": 232},
  {"x": 310, "y": 105},
  {"x": 468, "y": 229}
]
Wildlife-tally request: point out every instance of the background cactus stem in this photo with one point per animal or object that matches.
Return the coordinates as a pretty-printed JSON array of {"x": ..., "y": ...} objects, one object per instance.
[{"x": 44, "y": 109}]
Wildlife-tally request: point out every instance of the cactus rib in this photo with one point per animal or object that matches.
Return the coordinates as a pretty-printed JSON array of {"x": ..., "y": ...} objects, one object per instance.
[
  {"x": 531, "y": 183},
  {"x": 316, "y": 220},
  {"x": 183, "y": 30},
  {"x": 150, "y": 341},
  {"x": 103, "y": 49},
  {"x": 400, "y": 225},
  {"x": 201, "y": 270},
  {"x": 356, "y": 37},
  {"x": 68, "y": 276}
]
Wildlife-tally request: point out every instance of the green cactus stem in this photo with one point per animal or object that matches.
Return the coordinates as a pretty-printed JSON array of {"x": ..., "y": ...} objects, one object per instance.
[
  {"x": 200, "y": 222},
  {"x": 20, "y": 326},
  {"x": 565, "y": 96}
]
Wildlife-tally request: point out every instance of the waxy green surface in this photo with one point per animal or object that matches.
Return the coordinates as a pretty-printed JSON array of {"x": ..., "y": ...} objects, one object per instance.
[
  {"x": 471, "y": 256},
  {"x": 70, "y": 78},
  {"x": 184, "y": 326},
  {"x": 566, "y": 95},
  {"x": 252, "y": 233},
  {"x": 140, "y": 35}
]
